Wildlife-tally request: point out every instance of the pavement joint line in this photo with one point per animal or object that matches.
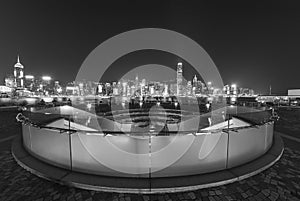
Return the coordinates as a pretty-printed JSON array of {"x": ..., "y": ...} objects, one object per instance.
[
  {"x": 7, "y": 138},
  {"x": 68, "y": 173},
  {"x": 134, "y": 190}
]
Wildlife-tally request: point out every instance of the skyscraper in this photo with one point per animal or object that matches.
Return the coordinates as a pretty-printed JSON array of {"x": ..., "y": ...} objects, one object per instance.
[
  {"x": 189, "y": 88},
  {"x": 10, "y": 81},
  {"x": 179, "y": 79},
  {"x": 195, "y": 80},
  {"x": 136, "y": 84},
  {"x": 19, "y": 74},
  {"x": 124, "y": 89},
  {"x": 29, "y": 82},
  {"x": 143, "y": 86}
]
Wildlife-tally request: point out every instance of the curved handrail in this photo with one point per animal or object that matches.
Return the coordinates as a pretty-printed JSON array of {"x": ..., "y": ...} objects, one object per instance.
[{"x": 25, "y": 120}]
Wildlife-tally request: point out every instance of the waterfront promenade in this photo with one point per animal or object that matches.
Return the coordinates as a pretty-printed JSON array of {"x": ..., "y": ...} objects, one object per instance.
[{"x": 280, "y": 182}]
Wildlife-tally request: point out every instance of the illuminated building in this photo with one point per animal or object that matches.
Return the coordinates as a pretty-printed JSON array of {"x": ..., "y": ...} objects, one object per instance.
[
  {"x": 108, "y": 89},
  {"x": 46, "y": 80},
  {"x": 198, "y": 87},
  {"x": 226, "y": 89},
  {"x": 189, "y": 88},
  {"x": 5, "y": 90},
  {"x": 151, "y": 89},
  {"x": 166, "y": 90},
  {"x": 144, "y": 81},
  {"x": 233, "y": 89},
  {"x": 115, "y": 90},
  {"x": 173, "y": 89},
  {"x": 99, "y": 89},
  {"x": 133, "y": 91},
  {"x": 179, "y": 78},
  {"x": 29, "y": 82},
  {"x": 128, "y": 91},
  {"x": 19, "y": 74},
  {"x": 81, "y": 88},
  {"x": 10, "y": 81},
  {"x": 143, "y": 87},
  {"x": 57, "y": 88},
  {"x": 124, "y": 89},
  {"x": 47, "y": 88},
  {"x": 72, "y": 90},
  {"x": 136, "y": 84},
  {"x": 209, "y": 88},
  {"x": 251, "y": 92},
  {"x": 195, "y": 80},
  {"x": 194, "y": 90},
  {"x": 119, "y": 86},
  {"x": 246, "y": 91}
]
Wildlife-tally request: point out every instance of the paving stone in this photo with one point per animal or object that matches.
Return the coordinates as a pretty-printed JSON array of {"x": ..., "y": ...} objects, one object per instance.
[
  {"x": 192, "y": 195},
  {"x": 279, "y": 182}
]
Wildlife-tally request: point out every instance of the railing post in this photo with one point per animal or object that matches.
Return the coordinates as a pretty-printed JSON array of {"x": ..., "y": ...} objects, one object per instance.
[
  {"x": 149, "y": 154},
  {"x": 70, "y": 144},
  {"x": 227, "y": 148}
]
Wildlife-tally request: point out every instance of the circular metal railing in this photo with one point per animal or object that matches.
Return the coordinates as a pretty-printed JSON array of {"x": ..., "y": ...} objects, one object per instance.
[{"x": 261, "y": 117}]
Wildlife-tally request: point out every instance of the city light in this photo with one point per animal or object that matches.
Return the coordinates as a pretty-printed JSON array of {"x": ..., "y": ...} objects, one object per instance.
[
  {"x": 139, "y": 87},
  {"x": 59, "y": 90},
  {"x": 29, "y": 77},
  {"x": 123, "y": 104},
  {"x": 46, "y": 78},
  {"x": 89, "y": 106},
  {"x": 207, "y": 106},
  {"x": 100, "y": 102}
]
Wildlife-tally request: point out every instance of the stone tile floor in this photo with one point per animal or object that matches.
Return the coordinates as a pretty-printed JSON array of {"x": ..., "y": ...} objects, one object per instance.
[{"x": 280, "y": 182}]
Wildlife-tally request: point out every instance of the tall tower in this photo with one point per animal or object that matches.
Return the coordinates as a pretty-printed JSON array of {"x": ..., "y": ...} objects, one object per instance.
[
  {"x": 136, "y": 83},
  {"x": 19, "y": 74},
  {"x": 195, "y": 80},
  {"x": 179, "y": 78}
]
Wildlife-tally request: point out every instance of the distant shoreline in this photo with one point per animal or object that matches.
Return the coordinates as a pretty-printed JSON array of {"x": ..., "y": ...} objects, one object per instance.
[{"x": 4, "y": 108}]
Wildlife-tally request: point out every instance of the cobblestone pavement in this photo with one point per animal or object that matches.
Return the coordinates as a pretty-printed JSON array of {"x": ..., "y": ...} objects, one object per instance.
[{"x": 280, "y": 182}]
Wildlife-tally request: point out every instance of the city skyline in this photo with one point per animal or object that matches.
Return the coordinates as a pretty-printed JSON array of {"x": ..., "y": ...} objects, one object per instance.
[
  {"x": 247, "y": 42},
  {"x": 161, "y": 100},
  {"x": 21, "y": 84},
  {"x": 66, "y": 82}
]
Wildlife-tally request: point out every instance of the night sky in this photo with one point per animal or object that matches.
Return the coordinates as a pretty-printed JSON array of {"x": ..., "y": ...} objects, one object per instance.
[{"x": 254, "y": 44}]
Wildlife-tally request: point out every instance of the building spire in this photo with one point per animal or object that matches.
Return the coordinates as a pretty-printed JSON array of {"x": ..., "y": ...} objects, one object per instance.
[{"x": 18, "y": 64}]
